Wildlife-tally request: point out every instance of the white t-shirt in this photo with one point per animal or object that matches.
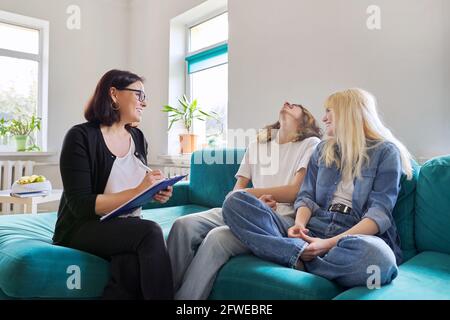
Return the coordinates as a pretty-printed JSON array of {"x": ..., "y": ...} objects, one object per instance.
[
  {"x": 126, "y": 173},
  {"x": 272, "y": 164},
  {"x": 344, "y": 193}
]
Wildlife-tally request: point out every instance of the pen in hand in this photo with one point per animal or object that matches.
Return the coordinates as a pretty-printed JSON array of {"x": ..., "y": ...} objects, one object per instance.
[
  {"x": 145, "y": 167},
  {"x": 150, "y": 170}
]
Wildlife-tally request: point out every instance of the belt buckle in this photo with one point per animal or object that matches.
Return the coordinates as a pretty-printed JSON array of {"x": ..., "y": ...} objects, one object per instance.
[{"x": 341, "y": 208}]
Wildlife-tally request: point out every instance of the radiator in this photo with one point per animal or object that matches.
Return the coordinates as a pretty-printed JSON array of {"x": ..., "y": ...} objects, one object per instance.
[
  {"x": 174, "y": 170},
  {"x": 10, "y": 171}
]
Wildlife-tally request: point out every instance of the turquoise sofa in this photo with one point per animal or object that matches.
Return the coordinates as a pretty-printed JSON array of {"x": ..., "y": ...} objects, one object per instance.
[{"x": 32, "y": 268}]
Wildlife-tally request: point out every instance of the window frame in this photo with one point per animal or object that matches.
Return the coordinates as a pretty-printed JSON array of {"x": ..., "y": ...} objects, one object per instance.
[
  {"x": 188, "y": 53},
  {"x": 42, "y": 58},
  {"x": 187, "y": 75}
]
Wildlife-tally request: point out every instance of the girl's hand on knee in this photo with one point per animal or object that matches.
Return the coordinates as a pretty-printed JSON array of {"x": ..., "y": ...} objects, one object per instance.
[
  {"x": 295, "y": 231},
  {"x": 317, "y": 247}
]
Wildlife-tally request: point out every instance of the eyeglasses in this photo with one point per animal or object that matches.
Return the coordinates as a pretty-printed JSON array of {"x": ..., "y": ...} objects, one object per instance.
[{"x": 141, "y": 96}]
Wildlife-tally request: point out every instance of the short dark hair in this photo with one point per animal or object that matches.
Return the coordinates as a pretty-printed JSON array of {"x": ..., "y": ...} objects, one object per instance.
[{"x": 99, "y": 109}]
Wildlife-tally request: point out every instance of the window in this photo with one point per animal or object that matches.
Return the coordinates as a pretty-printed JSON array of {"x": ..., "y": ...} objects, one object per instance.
[
  {"x": 24, "y": 73},
  {"x": 207, "y": 75}
]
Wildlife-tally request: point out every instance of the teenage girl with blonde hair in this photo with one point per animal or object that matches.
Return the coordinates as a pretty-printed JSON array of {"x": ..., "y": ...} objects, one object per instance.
[{"x": 343, "y": 220}]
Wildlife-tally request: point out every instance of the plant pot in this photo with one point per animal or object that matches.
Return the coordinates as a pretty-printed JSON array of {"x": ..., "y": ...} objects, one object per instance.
[
  {"x": 188, "y": 143},
  {"x": 21, "y": 142}
]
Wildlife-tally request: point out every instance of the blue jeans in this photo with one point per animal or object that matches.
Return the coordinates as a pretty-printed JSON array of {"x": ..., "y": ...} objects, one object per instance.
[{"x": 349, "y": 263}]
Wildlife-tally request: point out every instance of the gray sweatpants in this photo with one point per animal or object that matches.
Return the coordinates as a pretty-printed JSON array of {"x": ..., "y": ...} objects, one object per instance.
[{"x": 199, "y": 245}]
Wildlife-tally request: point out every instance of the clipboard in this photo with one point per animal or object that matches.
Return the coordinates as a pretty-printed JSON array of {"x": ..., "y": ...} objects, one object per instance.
[{"x": 142, "y": 198}]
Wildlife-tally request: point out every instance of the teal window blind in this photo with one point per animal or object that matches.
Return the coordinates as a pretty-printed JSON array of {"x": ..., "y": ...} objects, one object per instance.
[{"x": 207, "y": 59}]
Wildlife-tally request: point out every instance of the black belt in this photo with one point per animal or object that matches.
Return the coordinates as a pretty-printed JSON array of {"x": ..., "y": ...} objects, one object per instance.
[{"x": 341, "y": 208}]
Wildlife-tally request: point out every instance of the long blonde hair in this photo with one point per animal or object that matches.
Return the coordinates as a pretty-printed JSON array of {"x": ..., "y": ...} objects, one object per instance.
[{"x": 356, "y": 121}]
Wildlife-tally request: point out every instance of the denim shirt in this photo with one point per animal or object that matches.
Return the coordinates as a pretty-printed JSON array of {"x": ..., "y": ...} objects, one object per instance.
[{"x": 374, "y": 196}]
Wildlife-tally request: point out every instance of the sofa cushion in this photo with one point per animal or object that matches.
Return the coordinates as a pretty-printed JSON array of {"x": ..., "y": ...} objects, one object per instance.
[
  {"x": 166, "y": 216},
  {"x": 426, "y": 276},
  {"x": 404, "y": 213},
  {"x": 212, "y": 175},
  {"x": 433, "y": 206},
  {"x": 248, "y": 277},
  {"x": 32, "y": 267}
]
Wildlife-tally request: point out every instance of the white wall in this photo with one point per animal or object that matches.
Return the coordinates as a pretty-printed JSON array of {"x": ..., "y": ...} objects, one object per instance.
[
  {"x": 78, "y": 58},
  {"x": 312, "y": 48},
  {"x": 303, "y": 50},
  {"x": 446, "y": 79},
  {"x": 298, "y": 50},
  {"x": 149, "y": 56}
]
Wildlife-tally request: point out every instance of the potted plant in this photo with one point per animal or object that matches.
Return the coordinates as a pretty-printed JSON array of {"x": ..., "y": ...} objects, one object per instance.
[
  {"x": 3, "y": 131},
  {"x": 187, "y": 112},
  {"x": 21, "y": 129}
]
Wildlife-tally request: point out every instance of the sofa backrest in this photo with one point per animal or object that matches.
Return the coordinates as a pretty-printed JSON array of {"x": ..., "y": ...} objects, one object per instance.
[
  {"x": 432, "y": 222},
  {"x": 404, "y": 213},
  {"x": 212, "y": 175}
]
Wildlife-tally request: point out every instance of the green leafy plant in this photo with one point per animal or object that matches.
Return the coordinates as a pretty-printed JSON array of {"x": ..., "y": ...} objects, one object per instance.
[
  {"x": 23, "y": 127},
  {"x": 187, "y": 112},
  {"x": 3, "y": 127}
]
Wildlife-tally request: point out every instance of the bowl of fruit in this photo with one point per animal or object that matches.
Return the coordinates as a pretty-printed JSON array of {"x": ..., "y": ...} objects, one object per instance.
[{"x": 34, "y": 183}]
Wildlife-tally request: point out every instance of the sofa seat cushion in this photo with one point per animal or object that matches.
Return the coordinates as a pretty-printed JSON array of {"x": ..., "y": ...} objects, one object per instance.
[
  {"x": 426, "y": 276},
  {"x": 32, "y": 267},
  {"x": 166, "y": 216},
  {"x": 248, "y": 277}
]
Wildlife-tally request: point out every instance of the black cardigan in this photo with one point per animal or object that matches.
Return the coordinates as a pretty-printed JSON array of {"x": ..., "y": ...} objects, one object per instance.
[{"x": 85, "y": 165}]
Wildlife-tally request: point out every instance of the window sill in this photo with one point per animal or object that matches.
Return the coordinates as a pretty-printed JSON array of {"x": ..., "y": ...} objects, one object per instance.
[
  {"x": 27, "y": 154},
  {"x": 175, "y": 159}
]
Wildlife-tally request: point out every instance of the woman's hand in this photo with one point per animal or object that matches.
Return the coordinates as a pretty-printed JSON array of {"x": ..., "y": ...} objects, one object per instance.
[
  {"x": 269, "y": 200},
  {"x": 317, "y": 247},
  {"x": 164, "y": 195},
  {"x": 149, "y": 179}
]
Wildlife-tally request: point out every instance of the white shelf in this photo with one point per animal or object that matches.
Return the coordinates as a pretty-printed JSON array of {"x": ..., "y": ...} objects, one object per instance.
[{"x": 27, "y": 154}]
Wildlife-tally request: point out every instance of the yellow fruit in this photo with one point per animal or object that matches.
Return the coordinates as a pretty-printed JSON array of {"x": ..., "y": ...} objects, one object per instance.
[{"x": 31, "y": 179}]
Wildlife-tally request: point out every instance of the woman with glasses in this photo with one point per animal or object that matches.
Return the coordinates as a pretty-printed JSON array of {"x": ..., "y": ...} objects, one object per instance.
[
  {"x": 102, "y": 166},
  {"x": 343, "y": 229},
  {"x": 199, "y": 244}
]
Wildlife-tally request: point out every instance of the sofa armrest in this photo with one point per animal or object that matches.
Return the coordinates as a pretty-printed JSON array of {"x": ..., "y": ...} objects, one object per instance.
[{"x": 179, "y": 197}]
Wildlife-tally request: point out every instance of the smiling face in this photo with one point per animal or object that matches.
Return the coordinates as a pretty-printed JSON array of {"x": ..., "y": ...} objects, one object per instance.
[
  {"x": 328, "y": 120},
  {"x": 128, "y": 101}
]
